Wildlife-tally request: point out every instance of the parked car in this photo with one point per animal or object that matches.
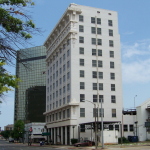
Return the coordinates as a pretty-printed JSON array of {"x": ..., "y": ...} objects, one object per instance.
[
  {"x": 11, "y": 140},
  {"x": 85, "y": 143}
]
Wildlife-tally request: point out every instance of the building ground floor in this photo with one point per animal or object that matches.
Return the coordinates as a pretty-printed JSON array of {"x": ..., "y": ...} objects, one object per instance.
[{"x": 85, "y": 131}]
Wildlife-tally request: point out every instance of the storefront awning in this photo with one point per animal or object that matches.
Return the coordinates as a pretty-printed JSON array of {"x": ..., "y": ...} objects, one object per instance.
[{"x": 46, "y": 133}]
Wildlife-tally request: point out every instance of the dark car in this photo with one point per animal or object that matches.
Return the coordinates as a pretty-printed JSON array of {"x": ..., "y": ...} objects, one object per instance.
[
  {"x": 85, "y": 143},
  {"x": 11, "y": 140}
]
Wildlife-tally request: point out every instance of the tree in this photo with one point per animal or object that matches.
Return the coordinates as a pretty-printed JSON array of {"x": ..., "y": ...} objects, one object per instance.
[
  {"x": 16, "y": 27},
  {"x": 7, "y": 81},
  {"x": 6, "y": 134},
  {"x": 18, "y": 129}
]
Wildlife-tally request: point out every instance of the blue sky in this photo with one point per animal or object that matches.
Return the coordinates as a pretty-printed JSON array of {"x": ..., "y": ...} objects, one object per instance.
[{"x": 134, "y": 29}]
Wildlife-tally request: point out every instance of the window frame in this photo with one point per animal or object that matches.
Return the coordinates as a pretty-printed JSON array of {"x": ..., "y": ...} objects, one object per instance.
[{"x": 82, "y": 112}]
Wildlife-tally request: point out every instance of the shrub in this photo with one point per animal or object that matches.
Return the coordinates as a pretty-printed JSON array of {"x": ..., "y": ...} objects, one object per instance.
[
  {"x": 73, "y": 141},
  {"x": 124, "y": 140}
]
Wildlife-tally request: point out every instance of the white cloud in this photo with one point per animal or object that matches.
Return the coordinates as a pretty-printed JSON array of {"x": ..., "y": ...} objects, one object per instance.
[
  {"x": 136, "y": 62},
  {"x": 138, "y": 71},
  {"x": 128, "y": 33},
  {"x": 138, "y": 48}
]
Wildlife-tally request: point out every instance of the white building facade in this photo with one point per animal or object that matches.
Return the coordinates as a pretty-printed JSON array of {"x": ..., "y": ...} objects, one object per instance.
[
  {"x": 33, "y": 131},
  {"x": 83, "y": 70}
]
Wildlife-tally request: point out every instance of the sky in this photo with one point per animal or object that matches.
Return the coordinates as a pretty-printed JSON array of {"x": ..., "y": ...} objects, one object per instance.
[{"x": 134, "y": 30}]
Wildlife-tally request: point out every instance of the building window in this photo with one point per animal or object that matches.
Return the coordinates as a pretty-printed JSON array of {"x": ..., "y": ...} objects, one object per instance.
[
  {"x": 94, "y": 52},
  {"x": 81, "y": 19},
  {"x": 59, "y": 91},
  {"x": 95, "y": 112},
  {"x": 112, "y": 64},
  {"x": 82, "y": 97},
  {"x": 81, "y": 39},
  {"x": 68, "y": 113},
  {"x": 59, "y": 115},
  {"x": 64, "y": 100},
  {"x": 94, "y": 98},
  {"x": 64, "y": 77},
  {"x": 92, "y": 19},
  {"x": 64, "y": 114},
  {"x": 68, "y": 42},
  {"x": 82, "y": 127},
  {"x": 112, "y": 76},
  {"x": 64, "y": 67},
  {"x": 110, "y": 32},
  {"x": 99, "y": 41},
  {"x": 60, "y": 71},
  {"x": 100, "y": 63},
  {"x": 113, "y": 113},
  {"x": 94, "y": 74},
  {"x": 113, "y": 99},
  {"x": 98, "y": 20},
  {"x": 56, "y": 116},
  {"x": 68, "y": 98},
  {"x": 53, "y": 117},
  {"x": 64, "y": 46},
  {"x": 94, "y": 63},
  {"x": 64, "y": 57},
  {"x": 68, "y": 75},
  {"x": 94, "y": 41},
  {"x": 60, "y": 60},
  {"x": 110, "y": 23},
  {"x": 81, "y": 50},
  {"x": 101, "y": 98},
  {"x": 64, "y": 89},
  {"x": 112, "y": 87},
  {"x": 116, "y": 127},
  {"x": 81, "y": 62},
  {"x": 82, "y": 112},
  {"x": 82, "y": 85},
  {"x": 131, "y": 127},
  {"x": 111, "y": 53},
  {"x": 60, "y": 102},
  {"x": 68, "y": 87},
  {"x": 93, "y": 30},
  {"x": 99, "y": 31},
  {"x": 101, "y": 112},
  {"x": 81, "y": 73},
  {"x": 94, "y": 86},
  {"x": 125, "y": 127},
  {"x": 81, "y": 28},
  {"x": 111, "y": 43},
  {"x": 100, "y": 75},
  {"x": 100, "y": 86},
  {"x": 68, "y": 53},
  {"x": 60, "y": 81},
  {"x": 68, "y": 64}
]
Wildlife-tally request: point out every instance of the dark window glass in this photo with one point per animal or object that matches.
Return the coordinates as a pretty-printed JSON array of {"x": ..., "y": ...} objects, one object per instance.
[{"x": 81, "y": 18}]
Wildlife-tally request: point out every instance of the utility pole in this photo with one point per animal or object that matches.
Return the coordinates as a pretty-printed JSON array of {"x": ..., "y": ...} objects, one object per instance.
[{"x": 102, "y": 137}]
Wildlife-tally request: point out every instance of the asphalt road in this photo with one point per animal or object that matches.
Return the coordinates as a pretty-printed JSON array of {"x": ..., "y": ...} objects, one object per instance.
[{"x": 5, "y": 145}]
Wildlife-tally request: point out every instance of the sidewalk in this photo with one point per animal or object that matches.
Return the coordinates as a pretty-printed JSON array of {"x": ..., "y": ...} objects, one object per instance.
[{"x": 130, "y": 146}]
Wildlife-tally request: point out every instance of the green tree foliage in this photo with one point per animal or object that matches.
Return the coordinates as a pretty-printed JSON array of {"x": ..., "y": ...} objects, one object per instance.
[
  {"x": 6, "y": 134},
  {"x": 16, "y": 27},
  {"x": 7, "y": 81},
  {"x": 18, "y": 129}
]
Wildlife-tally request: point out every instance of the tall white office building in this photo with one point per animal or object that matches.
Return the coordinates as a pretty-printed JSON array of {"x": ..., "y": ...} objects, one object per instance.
[{"x": 83, "y": 70}]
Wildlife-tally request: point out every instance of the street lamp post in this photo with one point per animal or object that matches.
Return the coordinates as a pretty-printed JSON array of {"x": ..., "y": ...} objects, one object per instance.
[
  {"x": 135, "y": 131},
  {"x": 134, "y": 100},
  {"x": 95, "y": 123},
  {"x": 102, "y": 126}
]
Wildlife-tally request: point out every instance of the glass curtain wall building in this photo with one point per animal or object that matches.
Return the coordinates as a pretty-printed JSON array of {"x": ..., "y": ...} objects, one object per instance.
[{"x": 31, "y": 93}]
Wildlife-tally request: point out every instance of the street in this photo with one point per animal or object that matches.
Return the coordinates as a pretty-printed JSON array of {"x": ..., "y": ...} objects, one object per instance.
[{"x": 5, "y": 145}]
